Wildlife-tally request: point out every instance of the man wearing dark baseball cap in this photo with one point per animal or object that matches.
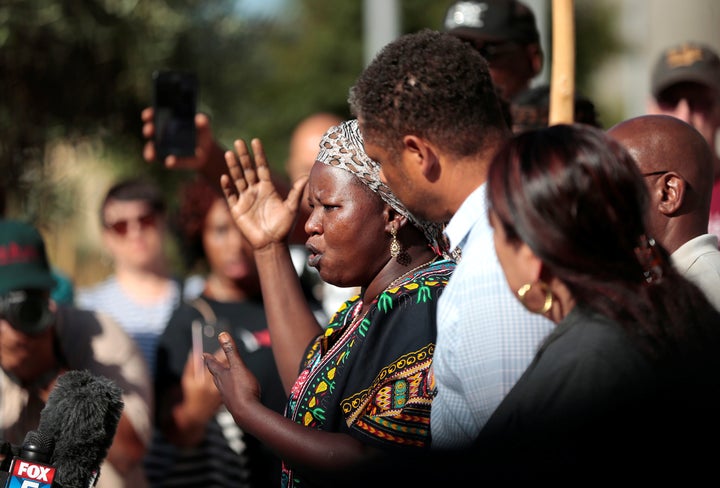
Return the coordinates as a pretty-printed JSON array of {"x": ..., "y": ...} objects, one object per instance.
[
  {"x": 25, "y": 278},
  {"x": 40, "y": 340},
  {"x": 685, "y": 83},
  {"x": 505, "y": 33}
]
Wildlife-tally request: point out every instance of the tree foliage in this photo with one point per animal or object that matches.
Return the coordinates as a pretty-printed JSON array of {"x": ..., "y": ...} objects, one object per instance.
[
  {"x": 76, "y": 74},
  {"x": 79, "y": 69}
]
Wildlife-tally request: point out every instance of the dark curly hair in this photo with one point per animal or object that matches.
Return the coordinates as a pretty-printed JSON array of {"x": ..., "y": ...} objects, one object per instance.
[
  {"x": 430, "y": 84},
  {"x": 578, "y": 200}
]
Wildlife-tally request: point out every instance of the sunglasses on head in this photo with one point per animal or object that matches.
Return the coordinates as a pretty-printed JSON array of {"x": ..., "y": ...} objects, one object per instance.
[{"x": 120, "y": 227}]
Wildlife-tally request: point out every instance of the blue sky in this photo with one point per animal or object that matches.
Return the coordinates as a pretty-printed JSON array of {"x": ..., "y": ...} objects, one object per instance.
[{"x": 261, "y": 6}]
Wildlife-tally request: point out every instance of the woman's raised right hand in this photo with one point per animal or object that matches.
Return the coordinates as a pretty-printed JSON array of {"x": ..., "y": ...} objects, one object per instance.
[{"x": 259, "y": 211}]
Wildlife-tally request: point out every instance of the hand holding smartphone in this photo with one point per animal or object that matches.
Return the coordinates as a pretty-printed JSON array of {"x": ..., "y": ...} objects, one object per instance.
[
  {"x": 174, "y": 103},
  {"x": 205, "y": 339}
]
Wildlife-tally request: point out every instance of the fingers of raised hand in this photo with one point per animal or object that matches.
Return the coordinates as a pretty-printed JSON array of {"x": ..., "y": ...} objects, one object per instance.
[
  {"x": 146, "y": 115},
  {"x": 261, "y": 164},
  {"x": 236, "y": 172},
  {"x": 229, "y": 190},
  {"x": 246, "y": 162},
  {"x": 296, "y": 193},
  {"x": 149, "y": 151}
]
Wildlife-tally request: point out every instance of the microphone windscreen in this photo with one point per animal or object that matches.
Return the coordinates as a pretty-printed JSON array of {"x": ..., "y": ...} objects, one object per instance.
[{"x": 82, "y": 414}]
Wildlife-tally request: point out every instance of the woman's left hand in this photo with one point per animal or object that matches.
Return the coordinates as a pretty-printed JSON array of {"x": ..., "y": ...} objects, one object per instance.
[{"x": 238, "y": 387}]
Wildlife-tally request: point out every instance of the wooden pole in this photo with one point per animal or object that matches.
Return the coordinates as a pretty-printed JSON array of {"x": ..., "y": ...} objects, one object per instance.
[{"x": 562, "y": 76}]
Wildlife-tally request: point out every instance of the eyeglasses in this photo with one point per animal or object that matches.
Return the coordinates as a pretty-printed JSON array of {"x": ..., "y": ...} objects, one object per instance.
[
  {"x": 27, "y": 312},
  {"x": 120, "y": 227},
  {"x": 493, "y": 51},
  {"x": 699, "y": 98}
]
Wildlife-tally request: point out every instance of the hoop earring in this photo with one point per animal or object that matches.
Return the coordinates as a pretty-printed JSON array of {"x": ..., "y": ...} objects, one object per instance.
[
  {"x": 523, "y": 291},
  {"x": 395, "y": 248}
]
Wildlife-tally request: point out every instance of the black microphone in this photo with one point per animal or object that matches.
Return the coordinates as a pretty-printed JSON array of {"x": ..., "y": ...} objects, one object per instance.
[
  {"x": 29, "y": 467},
  {"x": 81, "y": 415},
  {"x": 37, "y": 446}
]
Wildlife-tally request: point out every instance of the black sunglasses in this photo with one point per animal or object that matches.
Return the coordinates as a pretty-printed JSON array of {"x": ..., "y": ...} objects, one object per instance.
[{"x": 120, "y": 227}]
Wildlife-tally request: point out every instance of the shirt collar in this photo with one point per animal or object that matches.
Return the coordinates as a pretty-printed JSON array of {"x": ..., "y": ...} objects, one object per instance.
[{"x": 460, "y": 225}]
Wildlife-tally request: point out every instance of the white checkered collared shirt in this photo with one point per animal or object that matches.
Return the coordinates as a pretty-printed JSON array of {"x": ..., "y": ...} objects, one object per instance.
[{"x": 485, "y": 340}]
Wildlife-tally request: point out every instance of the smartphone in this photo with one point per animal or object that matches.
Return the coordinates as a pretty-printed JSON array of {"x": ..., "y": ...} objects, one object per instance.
[
  {"x": 174, "y": 101},
  {"x": 205, "y": 339}
]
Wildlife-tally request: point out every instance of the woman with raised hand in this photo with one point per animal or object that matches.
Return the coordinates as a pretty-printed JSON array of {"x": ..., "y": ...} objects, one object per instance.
[
  {"x": 628, "y": 378},
  {"x": 363, "y": 382}
]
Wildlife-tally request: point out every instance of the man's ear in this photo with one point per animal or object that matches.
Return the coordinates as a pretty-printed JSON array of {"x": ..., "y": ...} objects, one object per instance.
[
  {"x": 672, "y": 188},
  {"x": 420, "y": 153},
  {"x": 536, "y": 58}
]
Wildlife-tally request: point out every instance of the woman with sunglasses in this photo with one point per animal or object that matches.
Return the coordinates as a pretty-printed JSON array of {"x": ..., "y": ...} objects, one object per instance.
[{"x": 141, "y": 293}]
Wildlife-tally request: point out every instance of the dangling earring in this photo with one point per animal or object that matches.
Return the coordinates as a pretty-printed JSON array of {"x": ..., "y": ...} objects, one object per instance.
[
  {"x": 396, "y": 251},
  {"x": 523, "y": 291},
  {"x": 395, "y": 248}
]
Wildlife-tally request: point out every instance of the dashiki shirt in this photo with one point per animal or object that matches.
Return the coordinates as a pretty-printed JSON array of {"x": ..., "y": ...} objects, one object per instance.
[{"x": 367, "y": 376}]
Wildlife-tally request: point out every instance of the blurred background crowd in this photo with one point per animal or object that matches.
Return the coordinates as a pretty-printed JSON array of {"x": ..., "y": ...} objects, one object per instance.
[{"x": 80, "y": 72}]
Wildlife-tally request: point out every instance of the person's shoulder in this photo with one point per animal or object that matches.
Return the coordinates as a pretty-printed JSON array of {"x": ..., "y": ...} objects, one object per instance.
[
  {"x": 420, "y": 281},
  {"x": 72, "y": 318},
  {"x": 698, "y": 258},
  {"x": 91, "y": 295},
  {"x": 441, "y": 269},
  {"x": 78, "y": 322},
  {"x": 588, "y": 336}
]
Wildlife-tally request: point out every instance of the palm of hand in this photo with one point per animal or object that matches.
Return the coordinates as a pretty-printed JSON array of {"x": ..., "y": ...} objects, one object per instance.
[
  {"x": 256, "y": 206},
  {"x": 262, "y": 215}
]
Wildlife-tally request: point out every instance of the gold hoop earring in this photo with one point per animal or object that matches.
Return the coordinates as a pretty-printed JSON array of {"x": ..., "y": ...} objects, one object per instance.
[
  {"x": 395, "y": 248},
  {"x": 523, "y": 291}
]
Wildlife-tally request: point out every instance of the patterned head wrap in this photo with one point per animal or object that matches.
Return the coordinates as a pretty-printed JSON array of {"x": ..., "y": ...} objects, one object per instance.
[{"x": 342, "y": 147}]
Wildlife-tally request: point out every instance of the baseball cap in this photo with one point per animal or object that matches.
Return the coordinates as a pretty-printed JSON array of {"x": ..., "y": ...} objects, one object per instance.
[
  {"x": 23, "y": 261},
  {"x": 493, "y": 20},
  {"x": 687, "y": 62}
]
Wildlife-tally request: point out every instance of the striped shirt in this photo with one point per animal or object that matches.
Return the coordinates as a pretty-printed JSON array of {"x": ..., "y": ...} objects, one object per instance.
[{"x": 143, "y": 322}]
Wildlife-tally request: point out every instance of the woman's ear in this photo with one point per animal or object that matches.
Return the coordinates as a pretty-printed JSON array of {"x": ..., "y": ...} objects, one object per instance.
[
  {"x": 531, "y": 263},
  {"x": 393, "y": 219}
]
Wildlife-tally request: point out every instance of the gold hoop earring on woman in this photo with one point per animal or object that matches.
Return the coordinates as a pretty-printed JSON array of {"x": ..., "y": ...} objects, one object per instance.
[{"x": 525, "y": 289}]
